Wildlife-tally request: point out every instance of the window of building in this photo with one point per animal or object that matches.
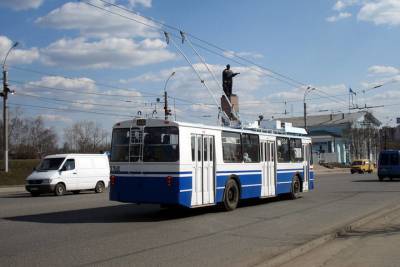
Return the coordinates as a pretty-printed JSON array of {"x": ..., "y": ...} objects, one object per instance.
[
  {"x": 231, "y": 147},
  {"x": 251, "y": 147}
]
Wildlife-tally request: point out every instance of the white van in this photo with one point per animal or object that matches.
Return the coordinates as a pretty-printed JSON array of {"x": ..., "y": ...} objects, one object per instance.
[{"x": 69, "y": 172}]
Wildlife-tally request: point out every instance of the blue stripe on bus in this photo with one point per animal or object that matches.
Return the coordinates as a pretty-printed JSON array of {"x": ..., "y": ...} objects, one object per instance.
[{"x": 238, "y": 171}]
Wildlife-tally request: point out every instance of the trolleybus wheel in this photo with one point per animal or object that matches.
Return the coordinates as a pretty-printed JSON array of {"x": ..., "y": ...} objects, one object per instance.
[{"x": 231, "y": 195}]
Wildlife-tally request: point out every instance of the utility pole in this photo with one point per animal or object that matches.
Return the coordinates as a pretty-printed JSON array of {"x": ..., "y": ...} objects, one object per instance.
[
  {"x": 4, "y": 94},
  {"x": 167, "y": 111},
  {"x": 308, "y": 90}
]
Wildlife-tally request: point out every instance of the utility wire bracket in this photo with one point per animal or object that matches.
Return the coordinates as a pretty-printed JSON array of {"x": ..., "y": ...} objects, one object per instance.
[
  {"x": 182, "y": 36},
  {"x": 166, "y": 34}
]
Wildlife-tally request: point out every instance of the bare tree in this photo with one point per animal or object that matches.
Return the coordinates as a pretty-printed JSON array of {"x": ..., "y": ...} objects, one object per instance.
[{"x": 85, "y": 137}]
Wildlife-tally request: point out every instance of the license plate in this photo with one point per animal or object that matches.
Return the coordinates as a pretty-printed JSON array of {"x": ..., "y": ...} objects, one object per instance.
[{"x": 34, "y": 188}]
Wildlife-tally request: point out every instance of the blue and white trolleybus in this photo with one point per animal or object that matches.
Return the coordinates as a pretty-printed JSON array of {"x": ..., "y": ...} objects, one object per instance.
[{"x": 194, "y": 165}]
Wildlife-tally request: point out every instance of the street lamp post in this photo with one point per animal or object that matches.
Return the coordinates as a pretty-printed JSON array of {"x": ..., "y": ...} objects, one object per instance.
[
  {"x": 307, "y": 91},
  {"x": 167, "y": 111},
  {"x": 4, "y": 94}
]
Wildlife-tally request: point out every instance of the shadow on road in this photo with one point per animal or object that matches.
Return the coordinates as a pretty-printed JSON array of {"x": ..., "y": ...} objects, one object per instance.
[
  {"x": 376, "y": 181},
  {"x": 126, "y": 213},
  {"x": 28, "y": 195}
]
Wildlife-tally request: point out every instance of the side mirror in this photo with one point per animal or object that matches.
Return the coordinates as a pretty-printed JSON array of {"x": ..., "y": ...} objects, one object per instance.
[{"x": 34, "y": 169}]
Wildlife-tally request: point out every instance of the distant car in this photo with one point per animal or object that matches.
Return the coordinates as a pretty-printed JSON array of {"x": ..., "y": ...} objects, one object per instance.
[
  {"x": 362, "y": 166},
  {"x": 69, "y": 172},
  {"x": 389, "y": 164}
]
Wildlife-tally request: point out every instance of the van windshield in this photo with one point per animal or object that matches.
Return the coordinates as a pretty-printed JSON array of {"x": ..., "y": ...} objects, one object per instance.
[{"x": 50, "y": 164}]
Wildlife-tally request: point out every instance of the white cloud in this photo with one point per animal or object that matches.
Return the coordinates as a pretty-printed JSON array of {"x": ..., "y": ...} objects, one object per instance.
[
  {"x": 23, "y": 56},
  {"x": 105, "y": 53},
  {"x": 340, "y": 16},
  {"x": 144, "y": 3},
  {"x": 385, "y": 70},
  {"x": 381, "y": 12},
  {"x": 342, "y": 4},
  {"x": 21, "y": 4},
  {"x": 79, "y": 84},
  {"x": 91, "y": 21},
  {"x": 232, "y": 54},
  {"x": 56, "y": 118}
]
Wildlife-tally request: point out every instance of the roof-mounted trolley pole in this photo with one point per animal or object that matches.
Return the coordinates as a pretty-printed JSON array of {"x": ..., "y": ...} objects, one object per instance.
[
  {"x": 233, "y": 111},
  {"x": 198, "y": 75}
]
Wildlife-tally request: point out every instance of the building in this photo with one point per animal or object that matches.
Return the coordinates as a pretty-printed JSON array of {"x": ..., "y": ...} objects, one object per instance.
[{"x": 342, "y": 137}]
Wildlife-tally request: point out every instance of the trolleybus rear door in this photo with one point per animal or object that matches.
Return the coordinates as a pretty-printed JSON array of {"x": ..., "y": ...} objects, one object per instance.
[
  {"x": 306, "y": 166},
  {"x": 203, "y": 181}
]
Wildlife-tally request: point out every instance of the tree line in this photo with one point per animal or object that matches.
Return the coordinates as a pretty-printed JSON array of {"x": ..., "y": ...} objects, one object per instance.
[{"x": 31, "y": 138}]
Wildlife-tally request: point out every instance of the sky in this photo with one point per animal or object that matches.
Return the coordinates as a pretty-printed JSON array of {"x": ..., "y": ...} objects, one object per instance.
[{"x": 106, "y": 60}]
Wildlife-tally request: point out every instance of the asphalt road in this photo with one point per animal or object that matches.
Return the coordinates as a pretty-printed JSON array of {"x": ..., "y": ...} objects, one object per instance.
[{"x": 87, "y": 229}]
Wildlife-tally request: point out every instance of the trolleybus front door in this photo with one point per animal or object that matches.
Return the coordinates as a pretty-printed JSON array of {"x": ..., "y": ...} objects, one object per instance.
[
  {"x": 203, "y": 181},
  {"x": 306, "y": 166},
  {"x": 268, "y": 168}
]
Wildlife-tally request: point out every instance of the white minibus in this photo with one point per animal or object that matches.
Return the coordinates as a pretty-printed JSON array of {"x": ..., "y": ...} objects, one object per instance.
[{"x": 69, "y": 172}]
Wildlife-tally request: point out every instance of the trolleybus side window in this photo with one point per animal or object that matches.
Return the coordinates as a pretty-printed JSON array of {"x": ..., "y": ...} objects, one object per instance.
[
  {"x": 231, "y": 147},
  {"x": 251, "y": 147},
  {"x": 283, "y": 149},
  {"x": 193, "y": 144},
  {"x": 161, "y": 144},
  {"x": 296, "y": 150}
]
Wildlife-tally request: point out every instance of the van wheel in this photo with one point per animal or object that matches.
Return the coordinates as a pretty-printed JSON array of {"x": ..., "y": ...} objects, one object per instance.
[
  {"x": 99, "y": 187},
  {"x": 59, "y": 190},
  {"x": 231, "y": 195},
  {"x": 295, "y": 190}
]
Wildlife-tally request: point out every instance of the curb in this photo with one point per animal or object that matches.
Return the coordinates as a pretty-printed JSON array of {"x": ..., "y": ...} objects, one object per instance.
[
  {"x": 12, "y": 189},
  {"x": 314, "y": 243}
]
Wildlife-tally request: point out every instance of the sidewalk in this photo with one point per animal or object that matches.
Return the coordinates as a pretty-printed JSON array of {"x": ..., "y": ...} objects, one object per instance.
[
  {"x": 374, "y": 244},
  {"x": 318, "y": 169}
]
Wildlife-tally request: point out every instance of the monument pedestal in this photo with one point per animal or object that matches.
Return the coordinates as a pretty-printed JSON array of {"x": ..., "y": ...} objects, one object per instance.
[{"x": 226, "y": 107}]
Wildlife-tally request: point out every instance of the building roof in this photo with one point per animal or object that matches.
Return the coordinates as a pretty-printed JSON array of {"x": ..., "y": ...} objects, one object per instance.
[{"x": 333, "y": 119}]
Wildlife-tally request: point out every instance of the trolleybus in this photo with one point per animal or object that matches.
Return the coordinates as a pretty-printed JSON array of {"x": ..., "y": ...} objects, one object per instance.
[{"x": 194, "y": 165}]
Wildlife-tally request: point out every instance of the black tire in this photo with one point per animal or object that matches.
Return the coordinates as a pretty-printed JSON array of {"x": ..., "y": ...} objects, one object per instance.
[
  {"x": 352, "y": 172},
  {"x": 59, "y": 190},
  {"x": 99, "y": 187},
  {"x": 295, "y": 190},
  {"x": 76, "y": 192},
  {"x": 380, "y": 178},
  {"x": 231, "y": 195},
  {"x": 35, "y": 194}
]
